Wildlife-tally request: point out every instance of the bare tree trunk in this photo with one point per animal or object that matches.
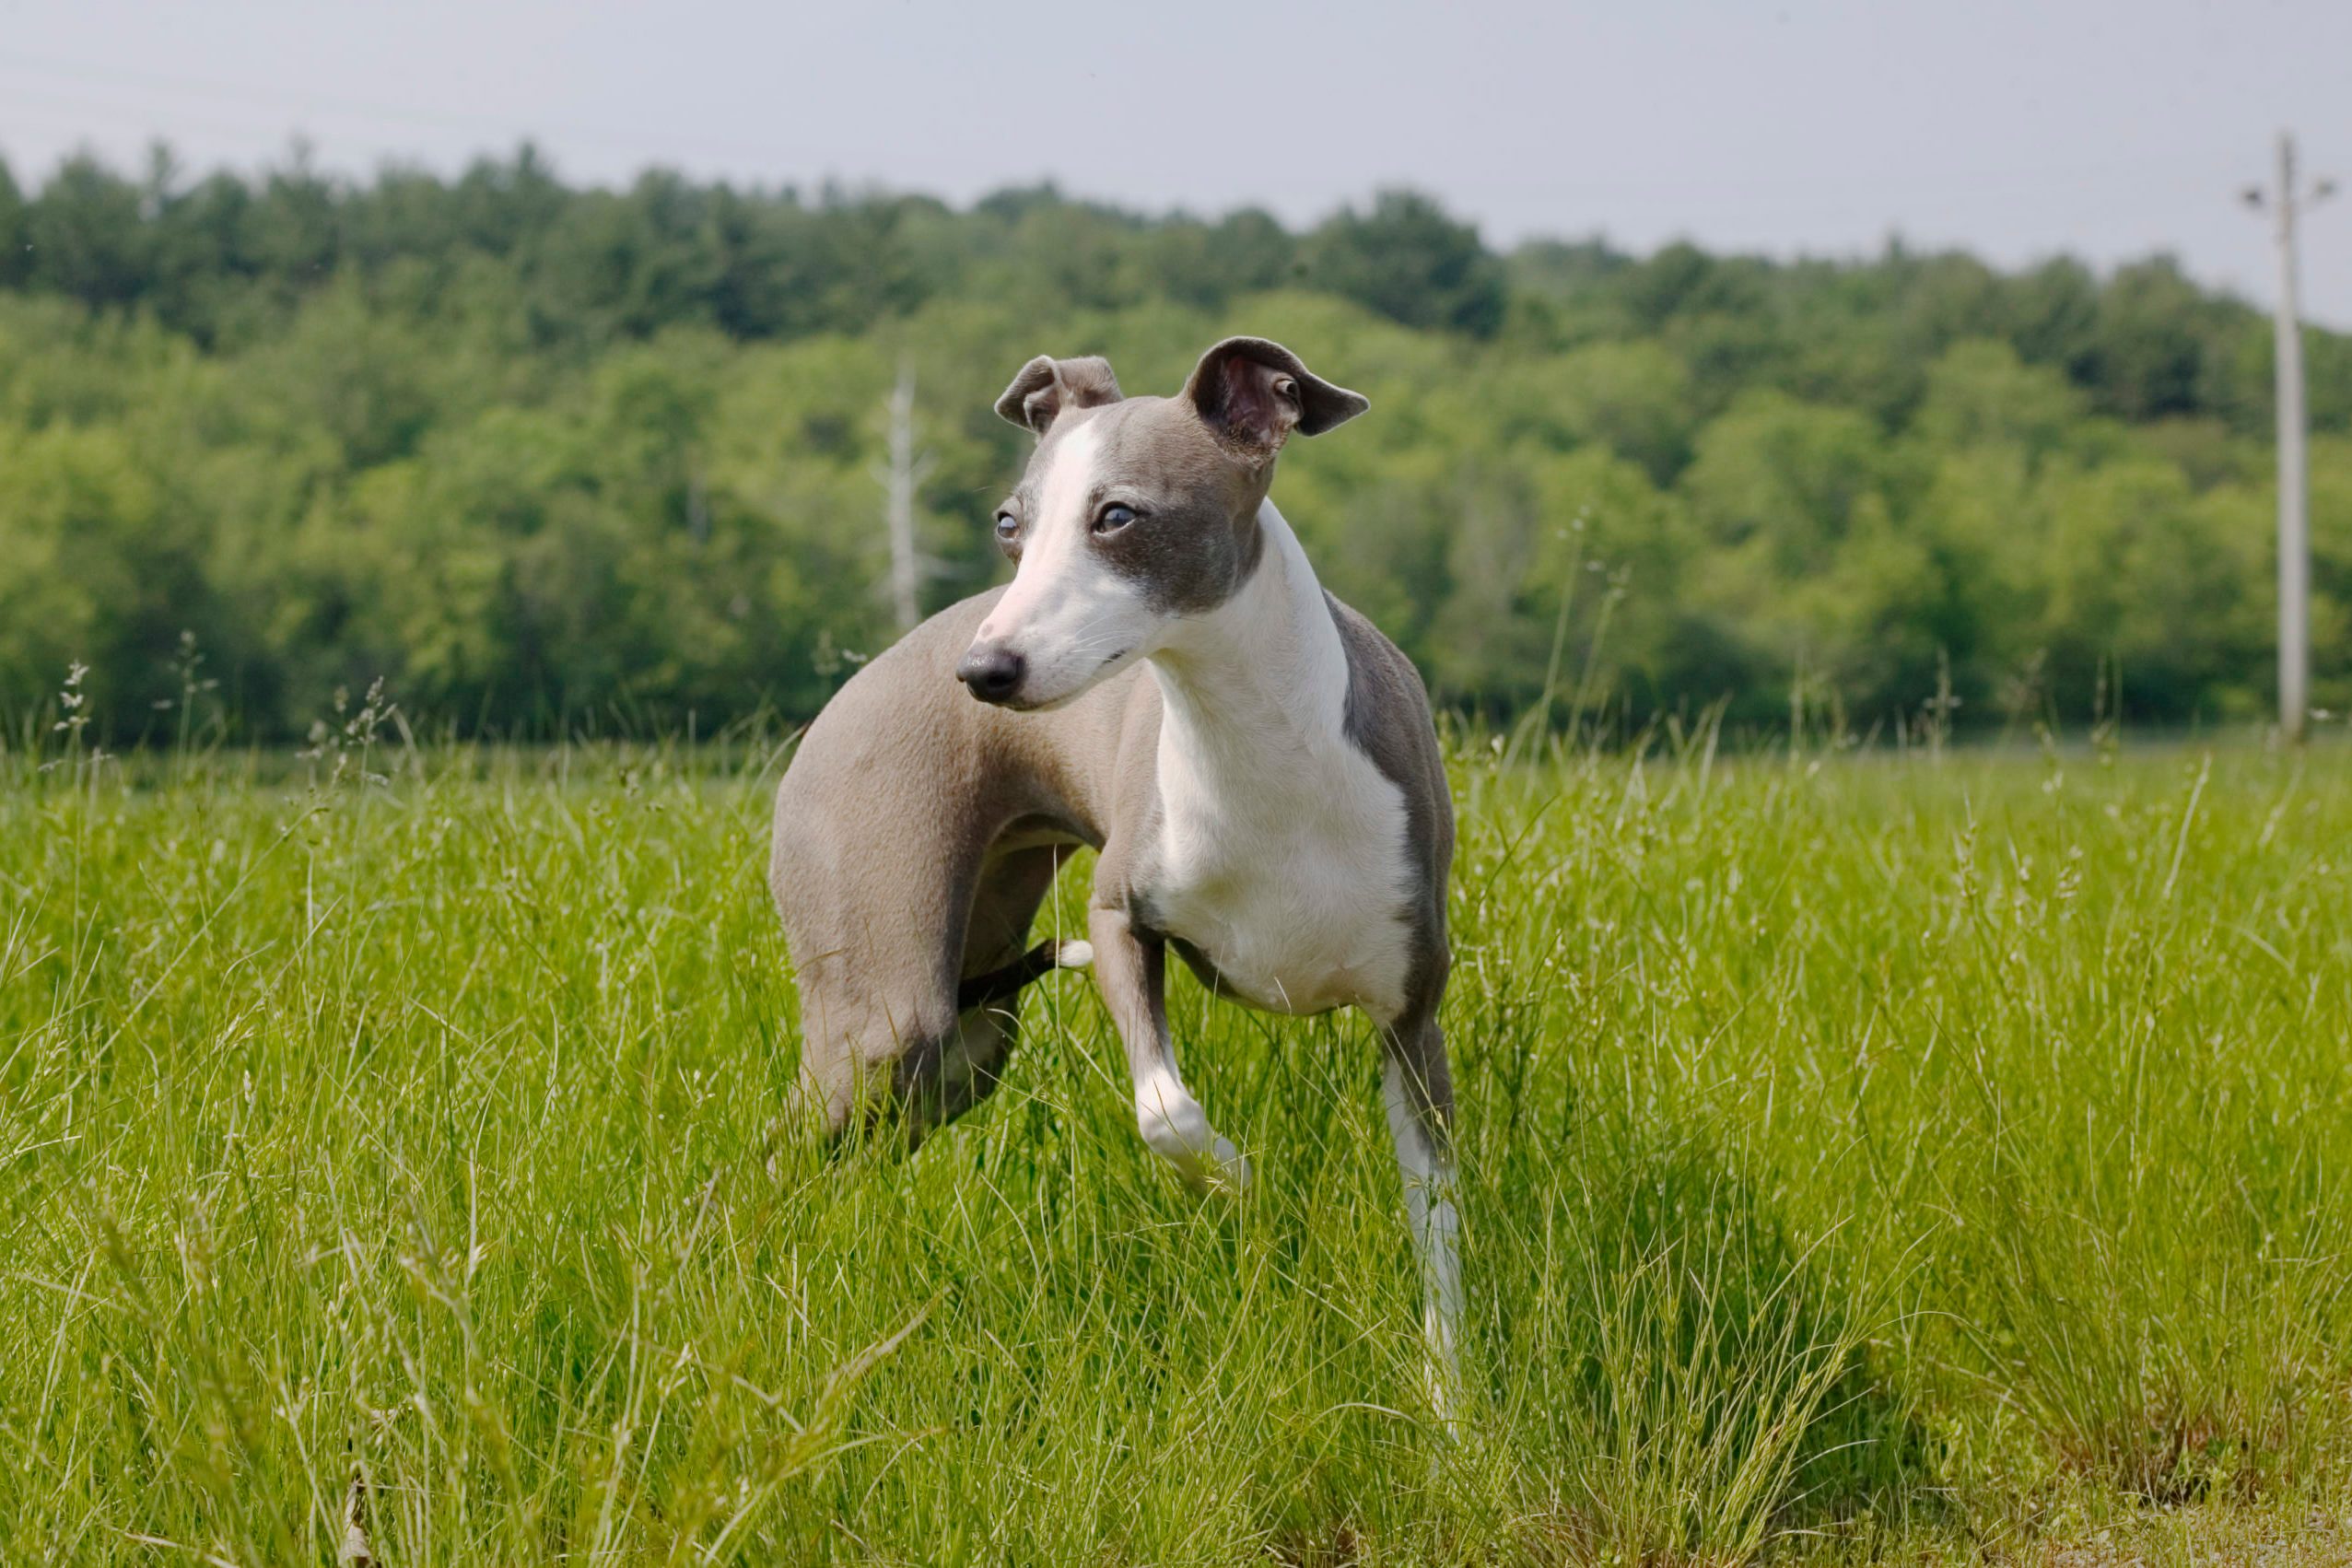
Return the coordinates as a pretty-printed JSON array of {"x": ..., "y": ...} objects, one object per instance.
[{"x": 905, "y": 471}]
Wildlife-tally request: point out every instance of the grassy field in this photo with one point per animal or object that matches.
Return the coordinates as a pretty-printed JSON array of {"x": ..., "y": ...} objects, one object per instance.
[{"x": 1927, "y": 1158}]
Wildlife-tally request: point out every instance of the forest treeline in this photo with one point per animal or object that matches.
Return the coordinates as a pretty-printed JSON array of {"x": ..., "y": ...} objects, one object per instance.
[{"x": 546, "y": 458}]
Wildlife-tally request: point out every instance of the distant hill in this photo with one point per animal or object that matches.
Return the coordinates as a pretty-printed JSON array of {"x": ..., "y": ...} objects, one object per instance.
[{"x": 546, "y": 456}]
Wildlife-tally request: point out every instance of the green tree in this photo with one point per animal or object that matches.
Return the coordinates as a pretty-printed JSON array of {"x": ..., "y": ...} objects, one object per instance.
[
  {"x": 15, "y": 232},
  {"x": 540, "y": 455},
  {"x": 1407, "y": 260}
]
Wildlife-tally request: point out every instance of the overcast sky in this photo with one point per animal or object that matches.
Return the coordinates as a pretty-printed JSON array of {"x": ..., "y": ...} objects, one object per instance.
[{"x": 2109, "y": 130}]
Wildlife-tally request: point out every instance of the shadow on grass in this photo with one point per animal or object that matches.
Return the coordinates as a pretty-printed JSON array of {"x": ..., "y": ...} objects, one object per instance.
[
  {"x": 1685, "y": 1383},
  {"x": 2174, "y": 1344}
]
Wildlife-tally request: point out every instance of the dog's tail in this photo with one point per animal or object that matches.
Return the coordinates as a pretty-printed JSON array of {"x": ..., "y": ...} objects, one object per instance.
[{"x": 1002, "y": 985}]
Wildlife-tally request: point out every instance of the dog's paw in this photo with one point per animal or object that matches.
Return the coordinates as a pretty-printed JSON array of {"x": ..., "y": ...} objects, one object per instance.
[
  {"x": 1221, "y": 1169},
  {"x": 1223, "y": 1173},
  {"x": 1207, "y": 1161},
  {"x": 1177, "y": 1130},
  {"x": 1226, "y": 1170},
  {"x": 1071, "y": 953}
]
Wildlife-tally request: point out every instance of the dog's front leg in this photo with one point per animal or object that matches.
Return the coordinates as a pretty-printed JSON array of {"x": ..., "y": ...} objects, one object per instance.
[
  {"x": 1131, "y": 970},
  {"x": 1419, "y": 1092}
]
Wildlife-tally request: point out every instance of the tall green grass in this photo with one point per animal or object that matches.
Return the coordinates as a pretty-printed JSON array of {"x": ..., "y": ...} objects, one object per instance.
[{"x": 1898, "y": 1155}]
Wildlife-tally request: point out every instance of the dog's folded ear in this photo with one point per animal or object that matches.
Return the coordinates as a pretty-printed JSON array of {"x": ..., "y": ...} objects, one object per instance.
[
  {"x": 1254, "y": 392},
  {"x": 1045, "y": 386}
]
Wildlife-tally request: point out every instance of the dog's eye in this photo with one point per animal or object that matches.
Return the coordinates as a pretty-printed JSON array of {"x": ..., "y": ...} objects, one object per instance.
[
  {"x": 1008, "y": 528},
  {"x": 1113, "y": 517}
]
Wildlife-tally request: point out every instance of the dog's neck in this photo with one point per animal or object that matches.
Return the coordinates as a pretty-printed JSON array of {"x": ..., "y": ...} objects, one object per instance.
[{"x": 1251, "y": 685}]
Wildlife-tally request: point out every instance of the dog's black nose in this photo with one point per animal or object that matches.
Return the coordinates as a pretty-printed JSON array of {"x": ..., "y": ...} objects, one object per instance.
[{"x": 993, "y": 672}]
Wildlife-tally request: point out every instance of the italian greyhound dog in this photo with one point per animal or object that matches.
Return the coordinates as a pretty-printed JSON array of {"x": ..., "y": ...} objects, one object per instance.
[{"x": 1165, "y": 680}]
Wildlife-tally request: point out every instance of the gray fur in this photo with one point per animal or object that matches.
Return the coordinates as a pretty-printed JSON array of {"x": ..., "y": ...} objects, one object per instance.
[
  {"x": 1046, "y": 387},
  {"x": 1388, "y": 719}
]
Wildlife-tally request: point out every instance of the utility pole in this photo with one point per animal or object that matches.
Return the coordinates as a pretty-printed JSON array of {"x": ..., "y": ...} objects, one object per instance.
[
  {"x": 905, "y": 471},
  {"x": 2294, "y": 477}
]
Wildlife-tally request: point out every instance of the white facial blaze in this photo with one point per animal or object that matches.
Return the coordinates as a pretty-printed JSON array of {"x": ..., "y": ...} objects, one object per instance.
[{"x": 1067, "y": 615}]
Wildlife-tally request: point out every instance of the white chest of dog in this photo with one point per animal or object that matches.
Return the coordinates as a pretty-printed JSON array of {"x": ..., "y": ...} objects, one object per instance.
[
  {"x": 1279, "y": 853},
  {"x": 1285, "y": 871}
]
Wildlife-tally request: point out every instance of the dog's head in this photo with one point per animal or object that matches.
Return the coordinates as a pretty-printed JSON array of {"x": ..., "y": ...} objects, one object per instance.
[{"x": 1135, "y": 513}]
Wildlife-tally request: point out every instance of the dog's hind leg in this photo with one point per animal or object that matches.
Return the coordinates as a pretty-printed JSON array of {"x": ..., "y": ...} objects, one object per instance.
[
  {"x": 1004, "y": 982},
  {"x": 874, "y": 947},
  {"x": 1418, "y": 1089},
  {"x": 866, "y": 1049},
  {"x": 917, "y": 1031},
  {"x": 1004, "y": 905}
]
